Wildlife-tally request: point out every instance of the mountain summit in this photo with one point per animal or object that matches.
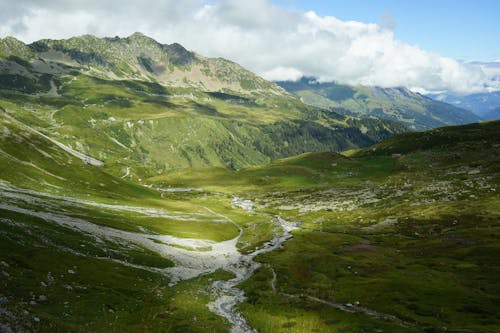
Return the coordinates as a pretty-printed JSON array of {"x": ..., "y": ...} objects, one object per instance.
[{"x": 137, "y": 57}]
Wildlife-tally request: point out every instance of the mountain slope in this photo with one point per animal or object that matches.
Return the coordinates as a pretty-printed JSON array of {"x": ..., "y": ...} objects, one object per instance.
[
  {"x": 417, "y": 112},
  {"x": 493, "y": 114},
  {"x": 142, "y": 108},
  {"x": 482, "y": 104},
  {"x": 81, "y": 249},
  {"x": 137, "y": 57}
]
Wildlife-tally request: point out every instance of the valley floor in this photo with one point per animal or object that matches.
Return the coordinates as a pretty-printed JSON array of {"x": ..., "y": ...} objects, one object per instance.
[{"x": 388, "y": 239}]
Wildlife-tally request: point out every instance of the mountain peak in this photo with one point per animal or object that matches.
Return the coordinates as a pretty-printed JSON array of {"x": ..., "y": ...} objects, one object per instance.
[
  {"x": 11, "y": 46},
  {"x": 11, "y": 39},
  {"x": 137, "y": 34},
  {"x": 139, "y": 57},
  {"x": 140, "y": 37}
]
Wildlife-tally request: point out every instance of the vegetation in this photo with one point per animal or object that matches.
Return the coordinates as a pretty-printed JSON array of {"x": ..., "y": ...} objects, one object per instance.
[
  {"x": 408, "y": 228},
  {"x": 129, "y": 202},
  {"x": 417, "y": 112},
  {"x": 121, "y": 110}
]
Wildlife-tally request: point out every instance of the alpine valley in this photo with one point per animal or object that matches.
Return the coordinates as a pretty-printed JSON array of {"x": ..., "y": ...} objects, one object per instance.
[{"x": 147, "y": 188}]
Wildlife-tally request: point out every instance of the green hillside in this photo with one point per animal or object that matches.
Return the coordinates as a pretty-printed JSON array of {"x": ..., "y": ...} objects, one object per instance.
[
  {"x": 417, "y": 112},
  {"x": 398, "y": 237},
  {"x": 138, "y": 105}
]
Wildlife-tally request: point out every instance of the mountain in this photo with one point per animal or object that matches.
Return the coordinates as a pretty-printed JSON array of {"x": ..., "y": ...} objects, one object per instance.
[
  {"x": 140, "y": 107},
  {"x": 136, "y": 57},
  {"x": 493, "y": 114},
  {"x": 415, "y": 111},
  {"x": 482, "y": 104},
  {"x": 145, "y": 188}
]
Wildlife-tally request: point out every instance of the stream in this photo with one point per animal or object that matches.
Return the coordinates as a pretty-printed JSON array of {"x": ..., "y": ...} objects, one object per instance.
[
  {"x": 189, "y": 262},
  {"x": 228, "y": 295}
]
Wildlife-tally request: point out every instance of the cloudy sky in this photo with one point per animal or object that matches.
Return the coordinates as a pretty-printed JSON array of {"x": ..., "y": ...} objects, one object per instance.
[{"x": 425, "y": 46}]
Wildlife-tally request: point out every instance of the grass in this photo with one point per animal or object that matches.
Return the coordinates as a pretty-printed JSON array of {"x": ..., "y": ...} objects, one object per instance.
[
  {"x": 424, "y": 252},
  {"x": 79, "y": 300},
  {"x": 161, "y": 129},
  {"x": 272, "y": 312},
  {"x": 408, "y": 228},
  {"x": 412, "y": 235},
  {"x": 306, "y": 171}
]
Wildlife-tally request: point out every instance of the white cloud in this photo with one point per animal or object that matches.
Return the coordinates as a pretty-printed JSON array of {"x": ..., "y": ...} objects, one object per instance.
[
  {"x": 273, "y": 41},
  {"x": 283, "y": 74}
]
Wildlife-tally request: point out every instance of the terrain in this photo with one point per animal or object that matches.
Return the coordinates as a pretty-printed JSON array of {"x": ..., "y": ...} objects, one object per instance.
[
  {"x": 142, "y": 107},
  {"x": 144, "y": 187},
  {"x": 415, "y": 111},
  {"x": 399, "y": 237},
  {"x": 486, "y": 105}
]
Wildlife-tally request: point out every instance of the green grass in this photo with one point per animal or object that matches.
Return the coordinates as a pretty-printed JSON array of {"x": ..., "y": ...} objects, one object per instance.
[
  {"x": 160, "y": 129},
  {"x": 433, "y": 264},
  {"x": 408, "y": 227},
  {"x": 86, "y": 290},
  {"x": 424, "y": 251}
]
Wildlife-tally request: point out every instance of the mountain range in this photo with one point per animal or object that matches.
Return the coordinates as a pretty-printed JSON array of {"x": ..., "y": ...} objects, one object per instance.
[
  {"x": 486, "y": 105},
  {"x": 414, "y": 110},
  {"x": 135, "y": 103}
]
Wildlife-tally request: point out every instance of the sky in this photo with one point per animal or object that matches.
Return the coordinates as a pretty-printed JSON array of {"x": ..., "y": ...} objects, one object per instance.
[
  {"x": 465, "y": 30},
  {"x": 427, "y": 46}
]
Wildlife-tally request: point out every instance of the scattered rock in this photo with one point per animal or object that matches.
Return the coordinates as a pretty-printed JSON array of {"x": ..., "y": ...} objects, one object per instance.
[{"x": 50, "y": 278}]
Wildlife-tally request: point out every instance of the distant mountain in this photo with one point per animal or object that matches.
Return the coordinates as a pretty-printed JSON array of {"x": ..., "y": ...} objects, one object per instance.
[
  {"x": 141, "y": 107},
  {"x": 493, "y": 114},
  {"x": 485, "y": 105},
  {"x": 415, "y": 111}
]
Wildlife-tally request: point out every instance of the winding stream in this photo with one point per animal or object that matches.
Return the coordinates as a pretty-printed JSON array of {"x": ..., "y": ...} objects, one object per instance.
[
  {"x": 189, "y": 263},
  {"x": 228, "y": 294}
]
